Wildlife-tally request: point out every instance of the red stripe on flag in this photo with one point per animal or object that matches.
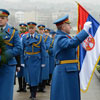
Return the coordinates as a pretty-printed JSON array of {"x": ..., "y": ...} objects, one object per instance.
[{"x": 82, "y": 17}]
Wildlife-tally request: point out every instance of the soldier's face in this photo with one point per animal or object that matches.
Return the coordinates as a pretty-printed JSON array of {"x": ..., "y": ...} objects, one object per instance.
[
  {"x": 20, "y": 30},
  {"x": 32, "y": 30},
  {"x": 47, "y": 33},
  {"x": 3, "y": 21},
  {"x": 67, "y": 28},
  {"x": 41, "y": 31},
  {"x": 24, "y": 30}
]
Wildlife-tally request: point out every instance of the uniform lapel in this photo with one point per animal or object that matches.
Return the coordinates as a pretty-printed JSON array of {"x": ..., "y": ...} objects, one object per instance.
[
  {"x": 6, "y": 32},
  {"x": 34, "y": 39}
]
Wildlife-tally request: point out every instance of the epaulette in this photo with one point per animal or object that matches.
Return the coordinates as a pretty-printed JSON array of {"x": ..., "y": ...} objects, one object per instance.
[
  {"x": 27, "y": 36},
  {"x": 36, "y": 37}
]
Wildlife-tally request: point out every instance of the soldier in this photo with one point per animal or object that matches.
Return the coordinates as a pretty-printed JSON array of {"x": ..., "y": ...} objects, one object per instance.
[
  {"x": 51, "y": 56},
  {"x": 41, "y": 32},
  {"x": 7, "y": 59},
  {"x": 45, "y": 70},
  {"x": 34, "y": 56},
  {"x": 21, "y": 73},
  {"x": 65, "y": 82}
]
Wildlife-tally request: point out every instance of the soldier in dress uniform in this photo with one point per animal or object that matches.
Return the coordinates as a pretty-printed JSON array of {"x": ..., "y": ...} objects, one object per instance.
[
  {"x": 41, "y": 32},
  {"x": 45, "y": 70},
  {"x": 21, "y": 73},
  {"x": 8, "y": 62},
  {"x": 65, "y": 82},
  {"x": 51, "y": 56},
  {"x": 34, "y": 56}
]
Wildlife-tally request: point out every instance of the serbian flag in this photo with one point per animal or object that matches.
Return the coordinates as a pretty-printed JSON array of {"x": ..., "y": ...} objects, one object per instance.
[{"x": 89, "y": 50}]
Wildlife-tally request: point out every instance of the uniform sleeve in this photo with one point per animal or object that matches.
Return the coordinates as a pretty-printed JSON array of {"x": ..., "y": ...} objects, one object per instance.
[
  {"x": 22, "y": 53},
  {"x": 51, "y": 48},
  {"x": 16, "y": 48},
  {"x": 65, "y": 42},
  {"x": 47, "y": 43},
  {"x": 43, "y": 51},
  {"x": 18, "y": 61}
]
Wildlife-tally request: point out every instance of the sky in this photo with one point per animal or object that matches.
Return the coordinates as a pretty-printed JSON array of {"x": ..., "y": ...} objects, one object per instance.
[
  {"x": 91, "y": 5},
  {"x": 17, "y": 4},
  {"x": 53, "y": 1}
]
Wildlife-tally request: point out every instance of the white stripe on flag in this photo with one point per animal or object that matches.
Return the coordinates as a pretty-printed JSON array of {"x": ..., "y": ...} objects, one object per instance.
[{"x": 89, "y": 62}]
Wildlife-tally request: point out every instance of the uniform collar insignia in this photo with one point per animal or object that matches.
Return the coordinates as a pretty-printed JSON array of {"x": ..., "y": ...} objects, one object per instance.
[
  {"x": 7, "y": 29},
  {"x": 68, "y": 36}
]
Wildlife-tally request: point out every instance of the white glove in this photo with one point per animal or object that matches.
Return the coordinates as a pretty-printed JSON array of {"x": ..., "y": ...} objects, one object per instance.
[
  {"x": 23, "y": 65},
  {"x": 18, "y": 69},
  {"x": 87, "y": 26},
  {"x": 43, "y": 65}
]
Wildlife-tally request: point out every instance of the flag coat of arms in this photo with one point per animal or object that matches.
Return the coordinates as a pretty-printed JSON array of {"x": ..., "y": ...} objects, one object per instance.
[{"x": 89, "y": 50}]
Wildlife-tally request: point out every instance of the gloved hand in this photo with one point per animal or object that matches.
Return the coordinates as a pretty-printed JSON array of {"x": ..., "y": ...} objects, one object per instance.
[
  {"x": 22, "y": 65},
  {"x": 87, "y": 26},
  {"x": 17, "y": 69},
  {"x": 43, "y": 65}
]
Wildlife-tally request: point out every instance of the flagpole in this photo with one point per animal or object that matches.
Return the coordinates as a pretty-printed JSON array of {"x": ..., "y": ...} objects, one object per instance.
[
  {"x": 76, "y": 2},
  {"x": 78, "y": 50}
]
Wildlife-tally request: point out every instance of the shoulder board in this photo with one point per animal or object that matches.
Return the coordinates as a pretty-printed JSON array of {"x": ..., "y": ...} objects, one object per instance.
[
  {"x": 27, "y": 36},
  {"x": 36, "y": 37}
]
